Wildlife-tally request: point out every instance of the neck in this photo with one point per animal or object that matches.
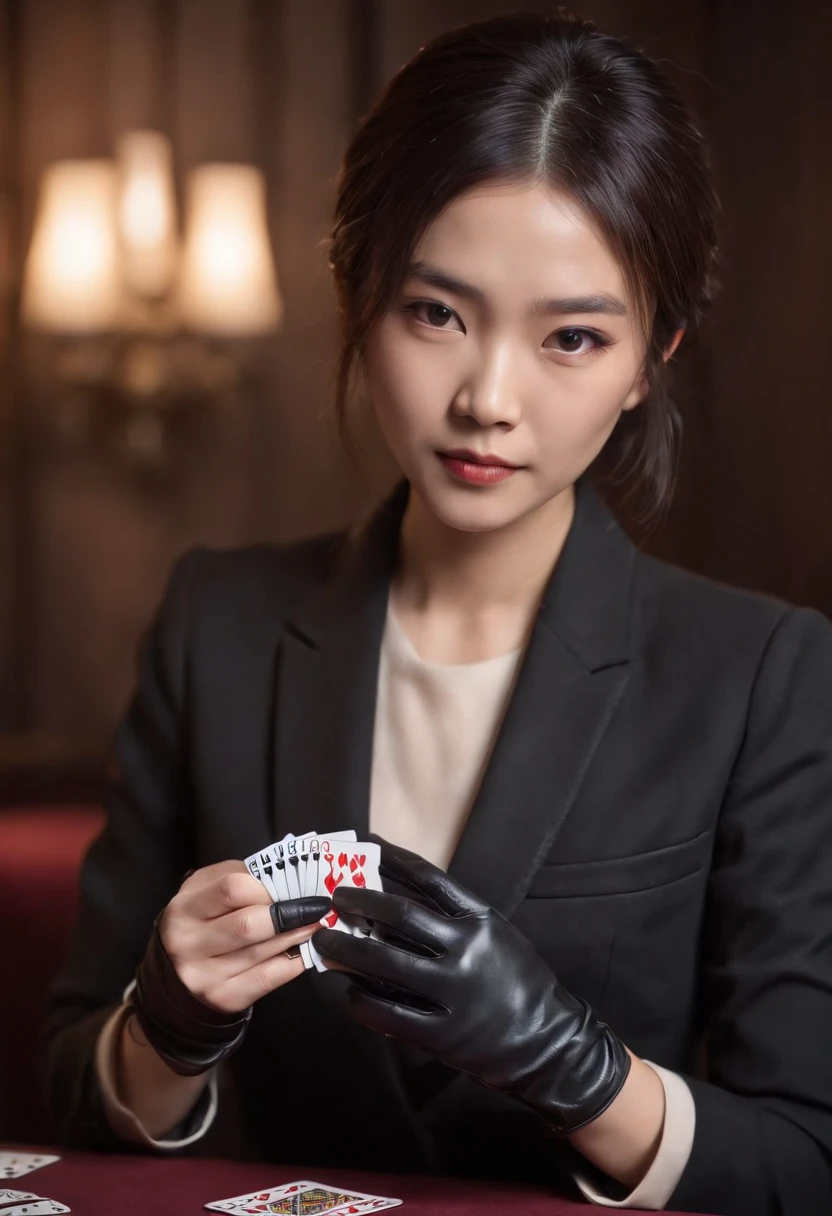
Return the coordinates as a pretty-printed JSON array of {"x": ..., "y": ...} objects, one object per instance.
[{"x": 476, "y": 573}]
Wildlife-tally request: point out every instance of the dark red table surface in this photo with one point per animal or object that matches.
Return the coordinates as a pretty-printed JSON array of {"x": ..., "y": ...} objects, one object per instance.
[{"x": 104, "y": 1185}]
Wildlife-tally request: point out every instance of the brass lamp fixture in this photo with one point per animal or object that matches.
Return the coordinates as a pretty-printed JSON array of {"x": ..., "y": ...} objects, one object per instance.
[{"x": 147, "y": 331}]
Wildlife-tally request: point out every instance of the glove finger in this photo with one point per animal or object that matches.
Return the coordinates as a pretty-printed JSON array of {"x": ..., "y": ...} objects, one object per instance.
[
  {"x": 375, "y": 959},
  {"x": 391, "y": 1016},
  {"x": 415, "y": 872},
  {"x": 412, "y": 922},
  {"x": 295, "y": 913}
]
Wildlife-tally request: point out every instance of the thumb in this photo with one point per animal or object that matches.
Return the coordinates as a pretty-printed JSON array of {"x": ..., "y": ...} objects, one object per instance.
[{"x": 292, "y": 914}]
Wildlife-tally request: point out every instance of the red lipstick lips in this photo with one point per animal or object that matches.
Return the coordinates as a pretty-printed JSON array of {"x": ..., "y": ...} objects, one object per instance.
[{"x": 475, "y": 469}]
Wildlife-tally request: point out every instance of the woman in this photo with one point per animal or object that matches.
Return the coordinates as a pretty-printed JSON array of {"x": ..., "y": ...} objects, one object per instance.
[{"x": 603, "y": 785}]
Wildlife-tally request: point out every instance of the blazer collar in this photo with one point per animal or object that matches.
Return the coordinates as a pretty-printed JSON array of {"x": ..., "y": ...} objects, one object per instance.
[{"x": 587, "y": 602}]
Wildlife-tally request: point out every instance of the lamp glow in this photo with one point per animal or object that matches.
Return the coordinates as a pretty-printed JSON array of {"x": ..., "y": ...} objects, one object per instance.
[
  {"x": 146, "y": 217},
  {"x": 228, "y": 282},
  {"x": 71, "y": 277}
]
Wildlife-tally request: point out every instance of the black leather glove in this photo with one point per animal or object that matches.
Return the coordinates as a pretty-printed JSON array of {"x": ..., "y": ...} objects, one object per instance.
[
  {"x": 189, "y": 1035},
  {"x": 454, "y": 977}
]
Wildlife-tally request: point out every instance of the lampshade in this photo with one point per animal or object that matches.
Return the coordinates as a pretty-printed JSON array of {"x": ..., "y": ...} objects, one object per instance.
[
  {"x": 228, "y": 283},
  {"x": 71, "y": 277},
  {"x": 146, "y": 213}
]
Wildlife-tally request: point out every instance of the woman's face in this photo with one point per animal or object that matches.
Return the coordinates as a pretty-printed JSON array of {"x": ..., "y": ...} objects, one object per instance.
[{"x": 511, "y": 342}]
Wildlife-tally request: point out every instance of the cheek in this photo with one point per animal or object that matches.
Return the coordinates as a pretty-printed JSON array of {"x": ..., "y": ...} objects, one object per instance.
[{"x": 585, "y": 411}]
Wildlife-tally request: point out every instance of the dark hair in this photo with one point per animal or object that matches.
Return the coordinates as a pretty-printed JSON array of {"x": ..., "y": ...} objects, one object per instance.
[{"x": 533, "y": 98}]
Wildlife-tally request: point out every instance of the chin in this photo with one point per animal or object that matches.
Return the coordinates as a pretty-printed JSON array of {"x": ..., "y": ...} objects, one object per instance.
[{"x": 475, "y": 509}]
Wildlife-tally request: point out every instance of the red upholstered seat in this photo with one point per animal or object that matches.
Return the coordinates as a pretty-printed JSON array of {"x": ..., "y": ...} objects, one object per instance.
[{"x": 41, "y": 849}]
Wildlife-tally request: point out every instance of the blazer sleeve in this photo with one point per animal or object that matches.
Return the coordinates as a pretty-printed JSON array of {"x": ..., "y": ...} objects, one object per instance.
[
  {"x": 128, "y": 875},
  {"x": 763, "y": 1135}
]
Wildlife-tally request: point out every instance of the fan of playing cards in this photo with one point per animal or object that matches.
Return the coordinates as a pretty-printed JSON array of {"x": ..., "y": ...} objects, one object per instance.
[{"x": 316, "y": 865}]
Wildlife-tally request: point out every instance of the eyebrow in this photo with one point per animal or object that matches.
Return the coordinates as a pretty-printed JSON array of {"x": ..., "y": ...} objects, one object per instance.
[{"x": 598, "y": 302}]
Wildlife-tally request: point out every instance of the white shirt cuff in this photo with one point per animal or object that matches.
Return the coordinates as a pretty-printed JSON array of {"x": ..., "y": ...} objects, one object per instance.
[
  {"x": 661, "y": 1180},
  {"x": 122, "y": 1120}
]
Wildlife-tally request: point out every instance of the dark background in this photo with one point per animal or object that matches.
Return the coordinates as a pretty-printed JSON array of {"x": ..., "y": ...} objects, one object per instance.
[{"x": 85, "y": 549}]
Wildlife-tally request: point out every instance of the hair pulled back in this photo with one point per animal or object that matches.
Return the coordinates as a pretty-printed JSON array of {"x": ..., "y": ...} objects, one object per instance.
[{"x": 537, "y": 99}]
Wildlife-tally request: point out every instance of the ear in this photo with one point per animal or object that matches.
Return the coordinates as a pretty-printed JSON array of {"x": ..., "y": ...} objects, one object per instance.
[
  {"x": 677, "y": 338},
  {"x": 639, "y": 390}
]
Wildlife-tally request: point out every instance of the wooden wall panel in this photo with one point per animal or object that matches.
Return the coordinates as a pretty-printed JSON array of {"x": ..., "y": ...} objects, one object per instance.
[
  {"x": 305, "y": 482},
  {"x": 62, "y": 113},
  {"x": 214, "y": 111},
  {"x": 139, "y": 66},
  {"x": 772, "y": 422},
  {"x": 102, "y": 543}
]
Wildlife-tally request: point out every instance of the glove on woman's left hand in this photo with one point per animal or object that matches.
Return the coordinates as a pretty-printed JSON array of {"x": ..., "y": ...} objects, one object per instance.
[{"x": 454, "y": 977}]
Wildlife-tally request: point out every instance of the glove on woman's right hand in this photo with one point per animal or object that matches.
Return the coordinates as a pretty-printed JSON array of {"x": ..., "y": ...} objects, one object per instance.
[{"x": 218, "y": 946}]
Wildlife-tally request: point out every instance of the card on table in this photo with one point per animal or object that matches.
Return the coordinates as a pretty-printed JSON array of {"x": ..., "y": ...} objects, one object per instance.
[
  {"x": 303, "y": 1198},
  {"x": 7, "y": 1196},
  {"x": 36, "y": 1207},
  {"x": 15, "y": 1165}
]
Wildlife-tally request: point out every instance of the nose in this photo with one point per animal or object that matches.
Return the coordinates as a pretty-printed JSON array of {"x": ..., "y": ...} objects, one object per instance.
[{"x": 489, "y": 394}]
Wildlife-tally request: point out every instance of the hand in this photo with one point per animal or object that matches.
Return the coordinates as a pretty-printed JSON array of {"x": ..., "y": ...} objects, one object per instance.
[
  {"x": 218, "y": 946},
  {"x": 454, "y": 977}
]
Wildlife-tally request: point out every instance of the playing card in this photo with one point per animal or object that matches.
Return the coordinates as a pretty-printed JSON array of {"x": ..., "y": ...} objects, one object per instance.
[
  {"x": 299, "y": 850},
  {"x": 349, "y": 865},
  {"x": 313, "y": 845},
  {"x": 15, "y": 1165},
  {"x": 16, "y": 1196},
  {"x": 261, "y": 865},
  {"x": 345, "y": 864},
  {"x": 265, "y": 1195},
  {"x": 304, "y": 1199},
  {"x": 288, "y": 851},
  {"x": 270, "y": 877},
  {"x": 268, "y": 865},
  {"x": 375, "y": 1203},
  {"x": 38, "y": 1207},
  {"x": 304, "y": 853},
  {"x": 308, "y": 862}
]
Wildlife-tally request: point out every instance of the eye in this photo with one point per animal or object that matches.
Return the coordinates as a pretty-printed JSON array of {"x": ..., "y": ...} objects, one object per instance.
[
  {"x": 438, "y": 314},
  {"x": 571, "y": 341}
]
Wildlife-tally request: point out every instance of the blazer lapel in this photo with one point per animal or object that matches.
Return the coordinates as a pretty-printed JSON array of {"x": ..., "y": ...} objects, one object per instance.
[
  {"x": 326, "y": 684},
  {"x": 571, "y": 679}
]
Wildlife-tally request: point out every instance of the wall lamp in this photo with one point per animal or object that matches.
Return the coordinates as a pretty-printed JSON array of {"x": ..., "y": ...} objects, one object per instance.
[{"x": 144, "y": 331}]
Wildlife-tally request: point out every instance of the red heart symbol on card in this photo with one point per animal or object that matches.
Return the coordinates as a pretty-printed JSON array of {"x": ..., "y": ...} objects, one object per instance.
[
  {"x": 331, "y": 882},
  {"x": 359, "y": 880}
]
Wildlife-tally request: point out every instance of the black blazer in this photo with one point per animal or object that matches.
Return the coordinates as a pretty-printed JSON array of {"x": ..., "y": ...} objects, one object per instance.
[{"x": 656, "y": 818}]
